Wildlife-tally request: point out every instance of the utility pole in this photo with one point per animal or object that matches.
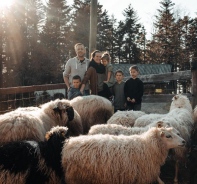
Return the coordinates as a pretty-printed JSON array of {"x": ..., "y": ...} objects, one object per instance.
[{"x": 93, "y": 25}]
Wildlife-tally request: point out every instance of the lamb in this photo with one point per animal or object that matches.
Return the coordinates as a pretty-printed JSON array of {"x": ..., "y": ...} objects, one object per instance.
[
  {"x": 33, "y": 162},
  {"x": 125, "y": 118},
  {"x": 32, "y": 124},
  {"x": 92, "y": 109},
  {"x": 114, "y": 129},
  {"x": 106, "y": 158}
]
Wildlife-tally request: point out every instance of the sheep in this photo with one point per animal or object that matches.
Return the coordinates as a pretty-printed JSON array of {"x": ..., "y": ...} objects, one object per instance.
[
  {"x": 33, "y": 162},
  {"x": 178, "y": 102},
  {"x": 114, "y": 129},
  {"x": 92, "y": 109},
  {"x": 34, "y": 123},
  {"x": 180, "y": 116},
  {"x": 125, "y": 118},
  {"x": 106, "y": 158},
  {"x": 195, "y": 114}
]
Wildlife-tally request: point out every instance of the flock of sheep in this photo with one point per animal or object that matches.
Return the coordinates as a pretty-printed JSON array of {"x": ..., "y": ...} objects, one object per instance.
[{"x": 81, "y": 141}]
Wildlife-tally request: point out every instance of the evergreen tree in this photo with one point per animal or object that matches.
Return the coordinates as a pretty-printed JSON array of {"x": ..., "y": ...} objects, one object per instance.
[
  {"x": 131, "y": 31},
  {"x": 164, "y": 31},
  {"x": 55, "y": 38}
]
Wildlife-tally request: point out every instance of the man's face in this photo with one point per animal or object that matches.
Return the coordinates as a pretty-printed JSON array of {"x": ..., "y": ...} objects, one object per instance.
[
  {"x": 76, "y": 83},
  {"x": 80, "y": 51}
]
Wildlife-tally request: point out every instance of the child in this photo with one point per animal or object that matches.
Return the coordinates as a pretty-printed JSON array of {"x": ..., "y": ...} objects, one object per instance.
[
  {"x": 134, "y": 90},
  {"x": 118, "y": 92},
  {"x": 74, "y": 91},
  {"x": 105, "y": 60}
]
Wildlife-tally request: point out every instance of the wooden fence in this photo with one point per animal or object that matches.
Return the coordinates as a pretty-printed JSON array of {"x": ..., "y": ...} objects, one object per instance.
[{"x": 14, "y": 97}]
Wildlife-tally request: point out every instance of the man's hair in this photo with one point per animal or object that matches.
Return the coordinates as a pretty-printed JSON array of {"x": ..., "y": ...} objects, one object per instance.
[
  {"x": 77, "y": 77},
  {"x": 119, "y": 71},
  {"x": 77, "y": 44},
  {"x": 134, "y": 67}
]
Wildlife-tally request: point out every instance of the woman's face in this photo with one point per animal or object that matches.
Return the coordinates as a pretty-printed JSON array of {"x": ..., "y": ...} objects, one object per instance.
[{"x": 97, "y": 57}]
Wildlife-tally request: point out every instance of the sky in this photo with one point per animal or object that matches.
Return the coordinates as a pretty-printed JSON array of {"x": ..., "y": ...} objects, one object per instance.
[{"x": 146, "y": 10}]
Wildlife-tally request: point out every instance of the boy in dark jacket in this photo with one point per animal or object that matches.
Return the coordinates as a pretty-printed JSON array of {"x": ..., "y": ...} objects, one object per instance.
[{"x": 134, "y": 90}]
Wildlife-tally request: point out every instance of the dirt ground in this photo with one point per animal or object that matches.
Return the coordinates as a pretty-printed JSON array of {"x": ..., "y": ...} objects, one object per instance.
[{"x": 167, "y": 173}]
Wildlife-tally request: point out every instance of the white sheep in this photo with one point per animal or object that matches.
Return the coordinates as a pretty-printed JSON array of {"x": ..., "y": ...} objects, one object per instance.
[
  {"x": 33, "y": 123},
  {"x": 92, "y": 109},
  {"x": 114, "y": 129},
  {"x": 180, "y": 117},
  {"x": 118, "y": 159},
  {"x": 125, "y": 118}
]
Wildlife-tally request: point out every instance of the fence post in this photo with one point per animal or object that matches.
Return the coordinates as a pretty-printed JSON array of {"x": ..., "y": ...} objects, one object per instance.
[{"x": 194, "y": 82}]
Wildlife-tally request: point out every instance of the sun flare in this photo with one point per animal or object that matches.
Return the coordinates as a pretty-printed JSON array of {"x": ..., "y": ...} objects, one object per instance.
[{"x": 5, "y": 3}]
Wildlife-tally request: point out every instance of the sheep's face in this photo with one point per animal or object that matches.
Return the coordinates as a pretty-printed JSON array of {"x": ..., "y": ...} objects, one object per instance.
[
  {"x": 61, "y": 108},
  {"x": 58, "y": 131},
  {"x": 171, "y": 139},
  {"x": 180, "y": 101}
]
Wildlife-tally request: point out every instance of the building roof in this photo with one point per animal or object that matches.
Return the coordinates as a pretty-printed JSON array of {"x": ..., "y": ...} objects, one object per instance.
[{"x": 144, "y": 69}]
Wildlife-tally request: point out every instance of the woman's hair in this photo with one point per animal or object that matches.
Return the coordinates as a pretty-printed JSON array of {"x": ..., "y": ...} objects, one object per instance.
[
  {"x": 106, "y": 56},
  {"x": 94, "y": 53}
]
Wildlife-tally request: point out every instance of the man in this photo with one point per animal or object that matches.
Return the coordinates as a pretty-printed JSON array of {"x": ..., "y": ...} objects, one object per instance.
[{"x": 77, "y": 66}]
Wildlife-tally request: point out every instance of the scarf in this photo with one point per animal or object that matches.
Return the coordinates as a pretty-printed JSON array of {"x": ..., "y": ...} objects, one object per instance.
[{"x": 100, "y": 68}]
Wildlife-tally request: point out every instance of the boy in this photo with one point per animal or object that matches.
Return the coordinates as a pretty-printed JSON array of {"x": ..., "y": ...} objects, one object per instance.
[
  {"x": 74, "y": 90},
  {"x": 118, "y": 92},
  {"x": 134, "y": 90}
]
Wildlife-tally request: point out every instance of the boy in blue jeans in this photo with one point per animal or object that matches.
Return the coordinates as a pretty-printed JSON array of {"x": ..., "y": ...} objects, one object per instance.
[{"x": 74, "y": 90}]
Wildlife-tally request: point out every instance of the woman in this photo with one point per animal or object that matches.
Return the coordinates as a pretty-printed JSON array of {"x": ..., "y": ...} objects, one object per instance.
[{"x": 96, "y": 75}]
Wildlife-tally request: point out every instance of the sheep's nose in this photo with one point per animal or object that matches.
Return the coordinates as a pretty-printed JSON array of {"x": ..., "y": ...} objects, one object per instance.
[{"x": 183, "y": 142}]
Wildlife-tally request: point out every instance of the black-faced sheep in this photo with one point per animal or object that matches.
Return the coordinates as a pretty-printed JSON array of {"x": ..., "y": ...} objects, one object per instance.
[
  {"x": 125, "y": 118},
  {"x": 118, "y": 159},
  {"x": 33, "y": 162},
  {"x": 33, "y": 124},
  {"x": 92, "y": 109}
]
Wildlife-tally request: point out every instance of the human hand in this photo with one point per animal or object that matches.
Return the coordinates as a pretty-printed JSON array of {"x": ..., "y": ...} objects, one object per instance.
[
  {"x": 133, "y": 100},
  {"x": 81, "y": 91}
]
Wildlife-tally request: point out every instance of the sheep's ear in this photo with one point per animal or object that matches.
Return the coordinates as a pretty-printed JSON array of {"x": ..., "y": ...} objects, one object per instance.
[
  {"x": 176, "y": 97},
  {"x": 159, "y": 124}
]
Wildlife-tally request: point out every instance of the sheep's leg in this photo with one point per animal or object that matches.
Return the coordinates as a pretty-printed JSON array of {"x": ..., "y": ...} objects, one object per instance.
[
  {"x": 176, "y": 171},
  {"x": 160, "y": 181}
]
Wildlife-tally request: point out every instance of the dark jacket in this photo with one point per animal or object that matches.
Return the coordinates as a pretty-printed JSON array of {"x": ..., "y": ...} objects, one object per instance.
[{"x": 134, "y": 88}]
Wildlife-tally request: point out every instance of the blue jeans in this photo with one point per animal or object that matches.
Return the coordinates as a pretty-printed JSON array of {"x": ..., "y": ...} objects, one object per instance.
[
  {"x": 86, "y": 92},
  {"x": 73, "y": 92}
]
